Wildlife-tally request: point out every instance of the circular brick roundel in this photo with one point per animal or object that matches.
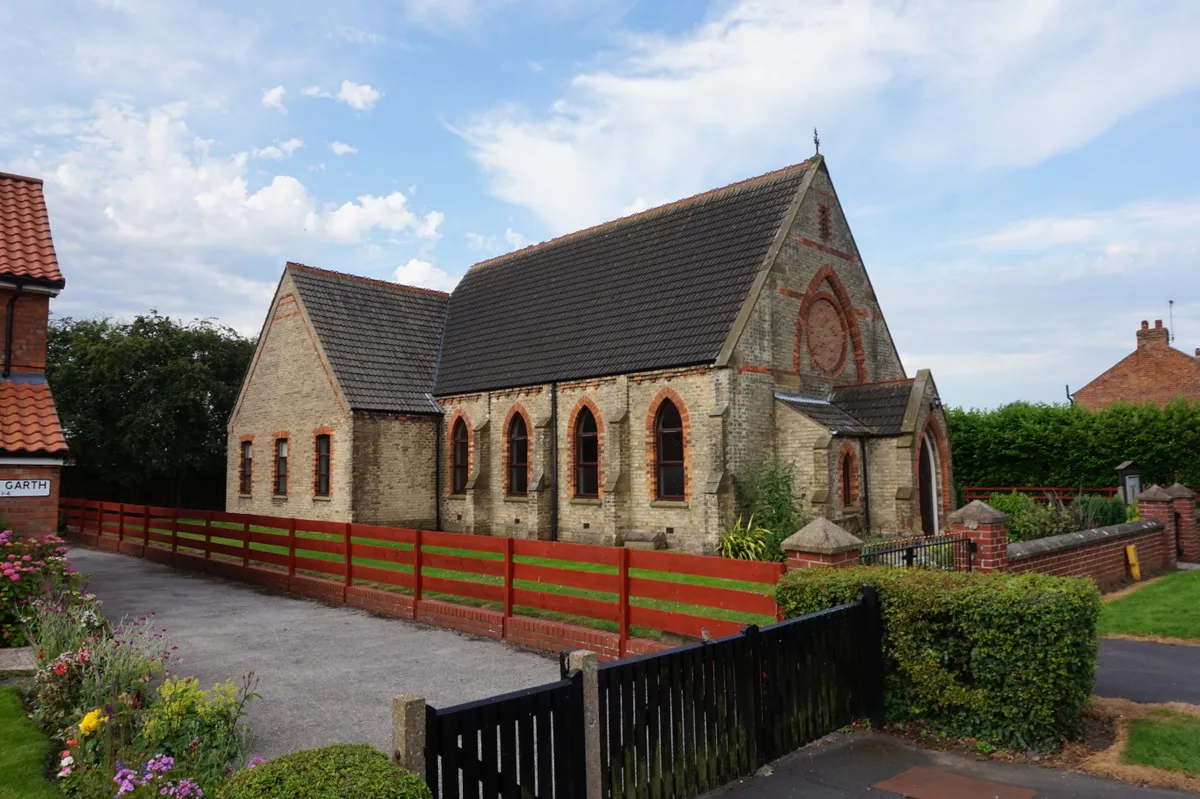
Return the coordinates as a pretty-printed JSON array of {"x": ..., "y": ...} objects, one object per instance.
[{"x": 826, "y": 337}]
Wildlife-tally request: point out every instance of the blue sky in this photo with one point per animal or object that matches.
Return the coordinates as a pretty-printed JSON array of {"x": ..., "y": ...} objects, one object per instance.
[{"x": 1021, "y": 175}]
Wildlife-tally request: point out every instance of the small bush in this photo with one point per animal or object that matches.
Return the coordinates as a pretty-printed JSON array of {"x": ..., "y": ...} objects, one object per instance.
[
  {"x": 746, "y": 541},
  {"x": 1091, "y": 511},
  {"x": 769, "y": 495},
  {"x": 1006, "y": 658},
  {"x": 1029, "y": 519},
  {"x": 340, "y": 771}
]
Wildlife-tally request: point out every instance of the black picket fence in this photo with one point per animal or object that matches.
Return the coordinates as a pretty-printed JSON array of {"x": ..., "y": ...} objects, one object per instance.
[
  {"x": 936, "y": 552},
  {"x": 525, "y": 745}
]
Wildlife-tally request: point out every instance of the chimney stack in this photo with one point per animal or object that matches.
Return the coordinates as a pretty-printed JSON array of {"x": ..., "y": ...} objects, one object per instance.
[{"x": 1153, "y": 338}]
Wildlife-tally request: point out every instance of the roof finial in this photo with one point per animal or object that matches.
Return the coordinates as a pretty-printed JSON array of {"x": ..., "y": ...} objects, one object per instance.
[{"x": 816, "y": 141}]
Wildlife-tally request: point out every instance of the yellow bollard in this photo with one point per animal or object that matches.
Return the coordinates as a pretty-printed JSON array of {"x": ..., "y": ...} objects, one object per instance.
[{"x": 1131, "y": 556}]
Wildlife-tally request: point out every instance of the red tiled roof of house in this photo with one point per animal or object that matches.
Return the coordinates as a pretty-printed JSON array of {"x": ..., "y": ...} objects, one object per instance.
[
  {"x": 28, "y": 419},
  {"x": 26, "y": 249}
]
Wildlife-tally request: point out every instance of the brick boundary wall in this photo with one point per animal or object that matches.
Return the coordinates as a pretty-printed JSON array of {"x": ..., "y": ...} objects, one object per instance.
[
  {"x": 1098, "y": 553},
  {"x": 525, "y": 631}
]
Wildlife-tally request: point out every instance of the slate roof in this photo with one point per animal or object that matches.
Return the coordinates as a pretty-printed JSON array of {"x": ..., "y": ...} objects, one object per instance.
[
  {"x": 381, "y": 338},
  {"x": 28, "y": 419},
  {"x": 871, "y": 409},
  {"x": 657, "y": 289},
  {"x": 26, "y": 249}
]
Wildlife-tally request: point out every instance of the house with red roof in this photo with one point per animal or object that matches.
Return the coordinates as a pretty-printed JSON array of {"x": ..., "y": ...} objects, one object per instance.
[{"x": 32, "y": 445}]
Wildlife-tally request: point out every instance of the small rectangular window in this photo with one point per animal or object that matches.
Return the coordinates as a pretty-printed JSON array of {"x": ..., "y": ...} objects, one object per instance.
[
  {"x": 281, "y": 466},
  {"x": 246, "y": 475},
  {"x": 321, "y": 467}
]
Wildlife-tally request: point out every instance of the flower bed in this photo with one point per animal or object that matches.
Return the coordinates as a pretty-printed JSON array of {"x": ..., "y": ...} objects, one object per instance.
[{"x": 27, "y": 566}]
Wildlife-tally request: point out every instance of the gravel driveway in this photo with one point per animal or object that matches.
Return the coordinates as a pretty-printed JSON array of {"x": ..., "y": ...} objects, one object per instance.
[{"x": 326, "y": 674}]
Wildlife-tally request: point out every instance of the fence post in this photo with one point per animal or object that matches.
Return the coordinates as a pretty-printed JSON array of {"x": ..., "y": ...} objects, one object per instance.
[
  {"x": 208, "y": 535},
  {"x": 120, "y": 524},
  {"x": 874, "y": 666},
  {"x": 291, "y": 550},
  {"x": 174, "y": 530},
  {"x": 145, "y": 528},
  {"x": 408, "y": 732},
  {"x": 623, "y": 601},
  {"x": 821, "y": 543},
  {"x": 245, "y": 546},
  {"x": 987, "y": 528},
  {"x": 348, "y": 579},
  {"x": 752, "y": 686},
  {"x": 585, "y": 662},
  {"x": 508, "y": 584},
  {"x": 416, "y": 571}
]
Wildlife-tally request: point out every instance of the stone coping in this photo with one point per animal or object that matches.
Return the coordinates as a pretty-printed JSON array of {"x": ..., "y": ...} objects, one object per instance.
[
  {"x": 1024, "y": 550},
  {"x": 17, "y": 662}
]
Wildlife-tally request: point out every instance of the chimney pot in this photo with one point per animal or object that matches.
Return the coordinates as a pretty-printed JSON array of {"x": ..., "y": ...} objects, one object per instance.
[
  {"x": 1198, "y": 352},
  {"x": 1158, "y": 323},
  {"x": 1145, "y": 325}
]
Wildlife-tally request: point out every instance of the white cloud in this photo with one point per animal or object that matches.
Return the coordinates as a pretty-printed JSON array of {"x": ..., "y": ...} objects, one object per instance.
[
  {"x": 424, "y": 274},
  {"x": 341, "y": 148},
  {"x": 284, "y": 149},
  {"x": 356, "y": 35},
  {"x": 315, "y": 91},
  {"x": 480, "y": 242},
  {"x": 515, "y": 240},
  {"x": 273, "y": 98},
  {"x": 969, "y": 86},
  {"x": 359, "y": 96}
]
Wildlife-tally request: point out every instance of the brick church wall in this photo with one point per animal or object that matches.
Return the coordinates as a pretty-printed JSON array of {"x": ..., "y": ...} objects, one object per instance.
[{"x": 393, "y": 469}]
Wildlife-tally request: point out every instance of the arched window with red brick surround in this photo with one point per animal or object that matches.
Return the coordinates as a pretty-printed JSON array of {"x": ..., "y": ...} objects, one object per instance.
[
  {"x": 670, "y": 470},
  {"x": 518, "y": 456},
  {"x": 587, "y": 455},
  {"x": 460, "y": 451},
  {"x": 848, "y": 475}
]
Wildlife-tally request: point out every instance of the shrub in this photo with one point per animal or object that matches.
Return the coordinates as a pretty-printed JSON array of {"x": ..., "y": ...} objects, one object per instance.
[
  {"x": 769, "y": 494},
  {"x": 745, "y": 541},
  {"x": 1091, "y": 511},
  {"x": 1029, "y": 519},
  {"x": 1006, "y": 658},
  {"x": 340, "y": 771},
  {"x": 27, "y": 567}
]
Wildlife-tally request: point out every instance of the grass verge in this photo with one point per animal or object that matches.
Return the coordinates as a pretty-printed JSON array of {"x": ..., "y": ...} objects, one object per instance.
[
  {"x": 1155, "y": 745},
  {"x": 24, "y": 753},
  {"x": 1164, "y": 609}
]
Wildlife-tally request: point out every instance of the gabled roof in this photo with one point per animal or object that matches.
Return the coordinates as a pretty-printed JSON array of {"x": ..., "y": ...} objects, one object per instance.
[
  {"x": 873, "y": 409},
  {"x": 381, "y": 338},
  {"x": 26, "y": 250},
  {"x": 657, "y": 289},
  {"x": 28, "y": 419}
]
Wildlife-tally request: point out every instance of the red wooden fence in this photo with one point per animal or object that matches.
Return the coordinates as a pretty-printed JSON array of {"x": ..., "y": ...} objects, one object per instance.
[{"x": 332, "y": 559}]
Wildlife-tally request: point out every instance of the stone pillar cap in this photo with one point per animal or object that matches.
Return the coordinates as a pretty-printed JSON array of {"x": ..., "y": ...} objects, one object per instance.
[
  {"x": 1154, "y": 494},
  {"x": 978, "y": 512},
  {"x": 821, "y": 537},
  {"x": 1180, "y": 491}
]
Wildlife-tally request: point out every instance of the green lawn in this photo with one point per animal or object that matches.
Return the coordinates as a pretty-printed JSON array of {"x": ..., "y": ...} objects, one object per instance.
[
  {"x": 564, "y": 590},
  {"x": 1170, "y": 741},
  {"x": 24, "y": 754},
  {"x": 1166, "y": 609}
]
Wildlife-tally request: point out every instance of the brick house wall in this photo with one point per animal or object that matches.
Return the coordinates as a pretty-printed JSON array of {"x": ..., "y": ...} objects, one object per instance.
[
  {"x": 1099, "y": 554},
  {"x": 30, "y": 319},
  {"x": 30, "y": 515},
  {"x": 1155, "y": 372},
  {"x": 290, "y": 392}
]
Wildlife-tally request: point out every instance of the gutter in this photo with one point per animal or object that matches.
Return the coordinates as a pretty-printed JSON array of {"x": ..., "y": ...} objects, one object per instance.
[{"x": 554, "y": 459}]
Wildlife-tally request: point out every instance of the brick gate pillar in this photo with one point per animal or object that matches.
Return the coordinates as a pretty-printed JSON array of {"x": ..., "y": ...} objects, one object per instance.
[
  {"x": 821, "y": 543},
  {"x": 1155, "y": 504},
  {"x": 1185, "y": 515},
  {"x": 988, "y": 530}
]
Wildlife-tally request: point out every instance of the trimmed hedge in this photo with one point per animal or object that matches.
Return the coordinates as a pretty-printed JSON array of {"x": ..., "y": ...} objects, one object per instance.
[
  {"x": 340, "y": 771},
  {"x": 1007, "y": 658}
]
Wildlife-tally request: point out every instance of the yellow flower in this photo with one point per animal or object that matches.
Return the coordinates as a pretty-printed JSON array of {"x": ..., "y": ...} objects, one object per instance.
[{"x": 92, "y": 721}]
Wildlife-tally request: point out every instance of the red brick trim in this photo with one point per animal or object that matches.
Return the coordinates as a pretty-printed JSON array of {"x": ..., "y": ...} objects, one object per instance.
[
  {"x": 849, "y": 494},
  {"x": 459, "y": 413},
  {"x": 586, "y": 402},
  {"x": 666, "y": 392},
  {"x": 816, "y": 245},
  {"x": 277, "y": 436},
  {"x": 516, "y": 409},
  {"x": 938, "y": 433},
  {"x": 322, "y": 431},
  {"x": 841, "y": 301}
]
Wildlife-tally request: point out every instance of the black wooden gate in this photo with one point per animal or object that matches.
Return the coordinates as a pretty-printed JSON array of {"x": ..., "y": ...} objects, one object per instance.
[
  {"x": 526, "y": 744},
  {"x": 681, "y": 722}
]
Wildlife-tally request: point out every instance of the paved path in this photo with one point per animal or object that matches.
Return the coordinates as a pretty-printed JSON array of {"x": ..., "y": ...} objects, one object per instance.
[
  {"x": 326, "y": 674},
  {"x": 846, "y": 766},
  {"x": 1145, "y": 671}
]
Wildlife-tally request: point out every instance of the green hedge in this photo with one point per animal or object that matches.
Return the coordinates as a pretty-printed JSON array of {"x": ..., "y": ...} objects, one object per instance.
[
  {"x": 1006, "y": 658},
  {"x": 1022, "y": 444},
  {"x": 340, "y": 771}
]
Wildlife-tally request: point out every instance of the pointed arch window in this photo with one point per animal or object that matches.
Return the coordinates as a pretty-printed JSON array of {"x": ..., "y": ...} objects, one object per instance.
[
  {"x": 668, "y": 435},
  {"x": 518, "y": 457},
  {"x": 459, "y": 452},
  {"x": 847, "y": 481},
  {"x": 587, "y": 456}
]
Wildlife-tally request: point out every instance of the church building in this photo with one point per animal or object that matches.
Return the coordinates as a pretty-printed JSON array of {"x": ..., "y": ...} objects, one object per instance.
[{"x": 611, "y": 384}]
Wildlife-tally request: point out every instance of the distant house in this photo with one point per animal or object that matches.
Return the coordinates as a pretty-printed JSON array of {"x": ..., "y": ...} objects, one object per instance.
[
  {"x": 1155, "y": 372},
  {"x": 612, "y": 382},
  {"x": 32, "y": 445}
]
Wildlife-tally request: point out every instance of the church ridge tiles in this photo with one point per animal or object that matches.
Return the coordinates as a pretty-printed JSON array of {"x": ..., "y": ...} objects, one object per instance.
[{"x": 372, "y": 281}]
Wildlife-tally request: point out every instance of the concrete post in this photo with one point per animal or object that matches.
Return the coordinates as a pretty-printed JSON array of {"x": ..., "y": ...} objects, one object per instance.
[
  {"x": 988, "y": 530},
  {"x": 1185, "y": 516},
  {"x": 408, "y": 732},
  {"x": 1155, "y": 504},
  {"x": 821, "y": 543},
  {"x": 585, "y": 661}
]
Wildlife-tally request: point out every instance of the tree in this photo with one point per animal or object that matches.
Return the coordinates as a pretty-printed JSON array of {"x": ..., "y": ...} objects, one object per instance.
[{"x": 145, "y": 404}]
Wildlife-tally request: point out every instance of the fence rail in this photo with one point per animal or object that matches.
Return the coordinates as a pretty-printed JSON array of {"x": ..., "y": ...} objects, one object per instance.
[
  {"x": 1061, "y": 493},
  {"x": 616, "y": 589},
  {"x": 939, "y": 553},
  {"x": 526, "y": 744}
]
